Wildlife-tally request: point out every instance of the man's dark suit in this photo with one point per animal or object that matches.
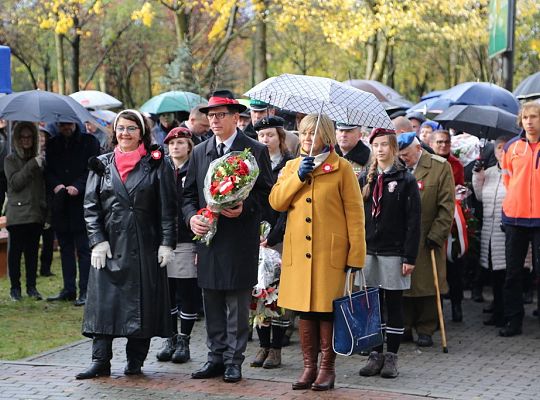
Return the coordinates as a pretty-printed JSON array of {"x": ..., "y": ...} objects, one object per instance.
[{"x": 227, "y": 268}]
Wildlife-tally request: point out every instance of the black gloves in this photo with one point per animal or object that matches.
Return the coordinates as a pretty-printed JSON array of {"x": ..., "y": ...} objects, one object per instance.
[
  {"x": 478, "y": 165},
  {"x": 352, "y": 269},
  {"x": 431, "y": 245},
  {"x": 306, "y": 166}
]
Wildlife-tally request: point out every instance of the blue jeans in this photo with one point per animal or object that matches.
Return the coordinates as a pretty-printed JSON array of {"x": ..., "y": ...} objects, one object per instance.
[{"x": 69, "y": 242}]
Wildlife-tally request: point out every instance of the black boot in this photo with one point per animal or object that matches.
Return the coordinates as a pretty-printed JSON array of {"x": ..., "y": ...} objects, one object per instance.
[
  {"x": 95, "y": 370},
  {"x": 168, "y": 349},
  {"x": 181, "y": 355},
  {"x": 512, "y": 328},
  {"x": 136, "y": 352},
  {"x": 101, "y": 359}
]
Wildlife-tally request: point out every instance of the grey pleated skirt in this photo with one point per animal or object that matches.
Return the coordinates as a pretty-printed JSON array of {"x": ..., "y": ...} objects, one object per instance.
[
  {"x": 183, "y": 265},
  {"x": 384, "y": 272}
]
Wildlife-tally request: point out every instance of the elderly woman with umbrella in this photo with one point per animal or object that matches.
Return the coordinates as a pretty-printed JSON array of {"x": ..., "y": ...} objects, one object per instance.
[
  {"x": 324, "y": 236},
  {"x": 130, "y": 213}
]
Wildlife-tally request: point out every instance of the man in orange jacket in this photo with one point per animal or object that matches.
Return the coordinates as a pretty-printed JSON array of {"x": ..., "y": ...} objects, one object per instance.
[{"x": 521, "y": 211}]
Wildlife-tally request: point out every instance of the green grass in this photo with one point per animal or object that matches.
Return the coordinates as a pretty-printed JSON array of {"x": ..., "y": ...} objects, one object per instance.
[{"x": 31, "y": 327}]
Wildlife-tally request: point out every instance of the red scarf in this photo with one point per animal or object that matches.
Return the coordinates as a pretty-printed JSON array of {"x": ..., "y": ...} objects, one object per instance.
[
  {"x": 378, "y": 189},
  {"x": 125, "y": 162}
]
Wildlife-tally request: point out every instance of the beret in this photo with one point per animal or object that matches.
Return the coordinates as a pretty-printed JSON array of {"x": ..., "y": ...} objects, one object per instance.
[{"x": 405, "y": 139}]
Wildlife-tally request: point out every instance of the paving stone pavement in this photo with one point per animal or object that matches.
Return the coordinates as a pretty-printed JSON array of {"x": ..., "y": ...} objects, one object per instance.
[{"x": 479, "y": 365}]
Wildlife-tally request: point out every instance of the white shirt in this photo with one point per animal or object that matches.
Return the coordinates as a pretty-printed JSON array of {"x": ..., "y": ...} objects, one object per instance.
[{"x": 228, "y": 143}]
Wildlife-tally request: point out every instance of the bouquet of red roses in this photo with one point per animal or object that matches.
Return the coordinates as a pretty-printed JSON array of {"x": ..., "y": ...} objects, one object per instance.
[{"x": 228, "y": 181}]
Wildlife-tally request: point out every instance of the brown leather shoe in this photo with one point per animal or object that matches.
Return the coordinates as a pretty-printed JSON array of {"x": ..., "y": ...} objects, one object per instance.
[
  {"x": 309, "y": 340},
  {"x": 327, "y": 372}
]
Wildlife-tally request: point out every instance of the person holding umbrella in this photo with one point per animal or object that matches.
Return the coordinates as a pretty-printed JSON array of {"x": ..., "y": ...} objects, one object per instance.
[
  {"x": 130, "y": 214},
  {"x": 392, "y": 214},
  {"x": 66, "y": 171},
  {"x": 323, "y": 238}
]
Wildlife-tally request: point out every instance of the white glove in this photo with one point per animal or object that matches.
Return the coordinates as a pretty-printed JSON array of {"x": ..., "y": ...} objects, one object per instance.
[
  {"x": 165, "y": 255},
  {"x": 100, "y": 252}
]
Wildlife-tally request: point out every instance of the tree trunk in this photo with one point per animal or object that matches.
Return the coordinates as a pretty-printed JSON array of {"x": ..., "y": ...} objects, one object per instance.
[
  {"x": 371, "y": 48},
  {"x": 391, "y": 67},
  {"x": 261, "y": 64},
  {"x": 75, "y": 61},
  {"x": 380, "y": 64},
  {"x": 181, "y": 25},
  {"x": 60, "y": 71},
  {"x": 46, "y": 72}
]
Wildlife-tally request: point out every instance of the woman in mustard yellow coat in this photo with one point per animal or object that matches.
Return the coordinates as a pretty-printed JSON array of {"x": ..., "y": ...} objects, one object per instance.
[{"x": 324, "y": 235}]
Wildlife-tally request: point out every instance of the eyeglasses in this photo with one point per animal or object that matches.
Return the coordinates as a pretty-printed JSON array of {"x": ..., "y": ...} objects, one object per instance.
[
  {"x": 442, "y": 142},
  {"x": 218, "y": 115},
  {"x": 129, "y": 129}
]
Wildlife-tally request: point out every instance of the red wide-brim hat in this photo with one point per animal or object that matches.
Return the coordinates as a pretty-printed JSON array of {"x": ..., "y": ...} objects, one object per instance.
[{"x": 215, "y": 102}]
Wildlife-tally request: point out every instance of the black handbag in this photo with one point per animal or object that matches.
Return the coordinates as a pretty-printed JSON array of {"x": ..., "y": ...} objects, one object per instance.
[{"x": 357, "y": 319}]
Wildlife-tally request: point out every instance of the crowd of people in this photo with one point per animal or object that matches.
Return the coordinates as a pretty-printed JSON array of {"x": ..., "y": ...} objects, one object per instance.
[{"x": 126, "y": 206}]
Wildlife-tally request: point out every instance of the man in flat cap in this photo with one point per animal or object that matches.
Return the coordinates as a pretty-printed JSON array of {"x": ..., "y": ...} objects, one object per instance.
[
  {"x": 350, "y": 146},
  {"x": 227, "y": 267},
  {"x": 258, "y": 109},
  {"x": 436, "y": 184}
]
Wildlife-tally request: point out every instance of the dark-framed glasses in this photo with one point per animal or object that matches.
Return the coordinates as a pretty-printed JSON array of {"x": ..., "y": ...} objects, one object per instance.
[{"x": 218, "y": 115}]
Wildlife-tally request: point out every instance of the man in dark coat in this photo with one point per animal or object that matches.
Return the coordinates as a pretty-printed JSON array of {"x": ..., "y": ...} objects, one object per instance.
[
  {"x": 350, "y": 146},
  {"x": 66, "y": 171},
  {"x": 198, "y": 125},
  {"x": 227, "y": 268}
]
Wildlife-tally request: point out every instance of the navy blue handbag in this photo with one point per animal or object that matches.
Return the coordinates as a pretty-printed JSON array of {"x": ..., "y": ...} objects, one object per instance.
[{"x": 357, "y": 320}]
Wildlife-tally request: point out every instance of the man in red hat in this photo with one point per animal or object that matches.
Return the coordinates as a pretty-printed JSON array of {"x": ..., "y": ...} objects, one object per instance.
[{"x": 227, "y": 267}]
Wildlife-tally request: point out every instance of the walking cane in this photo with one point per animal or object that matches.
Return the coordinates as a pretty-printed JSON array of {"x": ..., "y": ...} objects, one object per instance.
[{"x": 439, "y": 306}]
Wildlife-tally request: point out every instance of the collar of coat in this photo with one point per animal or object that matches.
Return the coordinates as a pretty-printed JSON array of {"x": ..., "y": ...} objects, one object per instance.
[
  {"x": 359, "y": 153},
  {"x": 332, "y": 160}
]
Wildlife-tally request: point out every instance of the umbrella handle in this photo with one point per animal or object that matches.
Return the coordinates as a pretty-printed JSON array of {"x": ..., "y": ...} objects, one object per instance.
[{"x": 316, "y": 129}]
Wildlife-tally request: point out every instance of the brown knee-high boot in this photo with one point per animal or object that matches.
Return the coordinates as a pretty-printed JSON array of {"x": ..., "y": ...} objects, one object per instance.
[
  {"x": 309, "y": 339},
  {"x": 327, "y": 373}
]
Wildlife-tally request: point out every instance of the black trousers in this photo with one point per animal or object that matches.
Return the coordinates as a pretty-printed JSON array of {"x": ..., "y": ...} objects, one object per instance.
[
  {"x": 72, "y": 243},
  {"x": 136, "y": 348},
  {"x": 46, "y": 257},
  {"x": 23, "y": 239},
  {"x": 454, "y": 277},
  {"x": 517, "y": 245}
]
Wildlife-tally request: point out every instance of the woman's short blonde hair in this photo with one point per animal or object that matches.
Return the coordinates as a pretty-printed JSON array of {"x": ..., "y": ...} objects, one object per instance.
[
  {"x": 525, "y": 106},
  {"x": 325, "y": 131}
]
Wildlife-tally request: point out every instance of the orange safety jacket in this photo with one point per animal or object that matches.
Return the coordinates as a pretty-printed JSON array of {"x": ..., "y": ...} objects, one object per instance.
[{"x": 521, "y": 176}]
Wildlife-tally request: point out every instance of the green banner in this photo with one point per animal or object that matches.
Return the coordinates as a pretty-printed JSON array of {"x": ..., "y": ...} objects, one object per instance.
[{"x": 498, "y": 27}]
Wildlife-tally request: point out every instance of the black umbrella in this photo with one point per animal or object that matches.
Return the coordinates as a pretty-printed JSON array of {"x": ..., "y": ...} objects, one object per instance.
[
  {"x": 42, "y": 106},
  {"x": 482, "y": 121},
  {"x": 529, "y": 88}
]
